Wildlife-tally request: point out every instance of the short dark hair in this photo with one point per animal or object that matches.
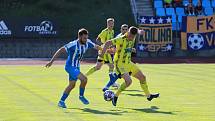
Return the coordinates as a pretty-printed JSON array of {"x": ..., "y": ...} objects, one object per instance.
[
  {"x": 82, "y": 31},
  {"x": 133, "y": 30}
]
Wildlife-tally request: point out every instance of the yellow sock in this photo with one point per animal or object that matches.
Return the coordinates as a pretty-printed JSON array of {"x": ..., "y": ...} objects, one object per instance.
[
  {"x": 92, "y": 70},
  {"x": 144, "y": 86},
  {"x": 121, "y": 88}
]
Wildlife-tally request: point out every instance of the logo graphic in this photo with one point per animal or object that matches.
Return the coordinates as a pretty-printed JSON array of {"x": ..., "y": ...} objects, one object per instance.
[
  {"x": 195, "y": 41},
  {"x": 4, "y": 29},
  {"x": 45, "y": 27}
]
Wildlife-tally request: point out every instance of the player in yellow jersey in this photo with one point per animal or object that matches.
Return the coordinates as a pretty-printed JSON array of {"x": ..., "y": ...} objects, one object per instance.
[
  {"x": 123, "y": 65},
  {"x": 106, "y": 34},
  {"x": 123, "y": 30}
]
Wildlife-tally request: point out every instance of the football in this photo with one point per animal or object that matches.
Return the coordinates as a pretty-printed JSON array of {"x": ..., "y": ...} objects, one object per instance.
[{"x": 108, "y": 95}]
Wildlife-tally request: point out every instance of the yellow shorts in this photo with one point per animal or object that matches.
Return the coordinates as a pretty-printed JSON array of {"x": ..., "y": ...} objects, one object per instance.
[
  {"x": 106, "y": 59},
  {"x": 131, "y": 68}
]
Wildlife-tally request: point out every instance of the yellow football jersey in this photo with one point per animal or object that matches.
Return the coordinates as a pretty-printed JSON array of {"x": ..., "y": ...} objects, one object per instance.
[
  {"x": 106, "y": 34},
  {"x": 123, "y": 49}
]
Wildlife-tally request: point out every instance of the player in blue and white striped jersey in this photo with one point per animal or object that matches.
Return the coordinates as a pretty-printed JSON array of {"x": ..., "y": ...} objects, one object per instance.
[{"x": 75, "y": 51}]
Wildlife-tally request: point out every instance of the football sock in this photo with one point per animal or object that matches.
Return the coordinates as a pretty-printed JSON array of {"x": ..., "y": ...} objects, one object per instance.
[
  {"x": 81, "y": 91},
  {"x": 112, "y": 80},
  {"x": 92, "y": 70},
  {"x": 144, "y": 86},
  {"x": 121, "y": 88},
  {"x": 64, "y": 96}
]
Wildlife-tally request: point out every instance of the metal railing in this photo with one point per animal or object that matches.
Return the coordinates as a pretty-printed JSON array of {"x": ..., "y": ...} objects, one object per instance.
[{"x": 134, "y": 10}]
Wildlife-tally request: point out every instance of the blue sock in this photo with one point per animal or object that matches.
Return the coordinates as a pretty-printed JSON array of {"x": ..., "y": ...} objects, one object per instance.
[
  {"x": 112, "y": 80},
  {"x": 64, "y": 96},
  {"x": 81, "y": 91}
]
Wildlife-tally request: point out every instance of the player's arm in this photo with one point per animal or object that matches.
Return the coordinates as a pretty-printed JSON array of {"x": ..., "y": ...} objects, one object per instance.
[
  {"x": 106, "y": 46},
  {"x": 97, "y": 47},
  {"x": 57, "y": 54},
  {"x": 98, "y": 41},
  {"x": 101, "y": 37}
]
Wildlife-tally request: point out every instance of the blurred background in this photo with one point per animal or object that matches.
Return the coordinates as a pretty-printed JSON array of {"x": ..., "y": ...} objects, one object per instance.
[{"x": 37, "y": 28}]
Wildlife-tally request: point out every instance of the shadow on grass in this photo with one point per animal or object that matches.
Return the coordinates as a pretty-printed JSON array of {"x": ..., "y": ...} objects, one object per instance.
[
  {"x": 138, "y": 95},
  {"x": 94, "y": 111},
  {"x": 133, "y": 90},
  {"x": 152, "y": 109}
]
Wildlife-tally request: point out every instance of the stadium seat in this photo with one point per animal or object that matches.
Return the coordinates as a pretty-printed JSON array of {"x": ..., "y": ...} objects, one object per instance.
[
  {"x": 213, "y": 3},
  {"x": 206, "y": 3},
  {"x": 209, "y": 11},
  {"x": 160, "y": 12},
  {"x": 174, "y": 23},
  {"x": 180, "y": 18},
  {"x": 180, "y": 11},
  {"x": 174, "y": 18},
  {"x": 158, "y": 4},
  {"x": 185, "y": 2},
  {"x": 195, "y": 2},
  {"x": 170, "y": 11},
  {"x": 175, "y": 26}
]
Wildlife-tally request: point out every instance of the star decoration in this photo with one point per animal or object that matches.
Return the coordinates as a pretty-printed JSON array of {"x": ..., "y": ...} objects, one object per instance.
[
  {"x": 152, "y": 20},
  {"x": 168, "y": 20}
]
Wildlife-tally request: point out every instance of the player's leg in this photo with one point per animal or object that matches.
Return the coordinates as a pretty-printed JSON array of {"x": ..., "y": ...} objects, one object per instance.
[
  {"x": 73, "y": 76},
  {"x": 116, "y": 85},
  {"x": 109, "y": 59},
  {"x": 66, "y": 93},
  {"x": 112, "y": 75},
  {"x": 142, "y": 78},
  {"x": 112, "y": 78},
  {"x": 83, "y": 84},
  {"x": 98, "y": 66},
  {"x": 111, "y": 82},
  {"x": 123, "y": 86}
]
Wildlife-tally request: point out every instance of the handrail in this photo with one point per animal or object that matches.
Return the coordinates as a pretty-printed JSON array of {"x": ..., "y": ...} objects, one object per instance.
[{"x": 134, "y": 9}]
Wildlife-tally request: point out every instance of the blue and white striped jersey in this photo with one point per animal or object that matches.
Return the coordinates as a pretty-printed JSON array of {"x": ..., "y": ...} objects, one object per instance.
[{"x": 75, "y": 52}]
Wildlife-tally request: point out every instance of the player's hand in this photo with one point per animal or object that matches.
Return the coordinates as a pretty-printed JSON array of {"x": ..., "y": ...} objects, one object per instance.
[
  {"x": 141, "y": 32},
  {"x": 134, "y": 50},
  {"x": 109, "y": 51},
  {"x": 48, "y": 64}
]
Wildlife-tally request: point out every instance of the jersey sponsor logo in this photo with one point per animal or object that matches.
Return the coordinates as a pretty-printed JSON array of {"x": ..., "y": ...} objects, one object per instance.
[
  {"x": 4, "y": 29},
  {"x": 45, "y": 27}
]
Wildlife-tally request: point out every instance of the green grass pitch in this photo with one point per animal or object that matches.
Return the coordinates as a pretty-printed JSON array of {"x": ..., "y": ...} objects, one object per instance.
[{"x": 31, "y": 93}]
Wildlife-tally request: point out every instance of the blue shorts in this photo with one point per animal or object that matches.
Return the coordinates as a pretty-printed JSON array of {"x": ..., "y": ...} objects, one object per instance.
[{"x": 73, "y": 72}]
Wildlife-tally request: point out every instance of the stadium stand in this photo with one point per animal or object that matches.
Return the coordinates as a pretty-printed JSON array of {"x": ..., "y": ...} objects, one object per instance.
[
  {"x": 213, "y": 4},
  {"x": 158, "y": 4},
  {"x": 209, "y": 11},
  {"x": 160, "y": 12},
  {"x": 178, "y": 12}
]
